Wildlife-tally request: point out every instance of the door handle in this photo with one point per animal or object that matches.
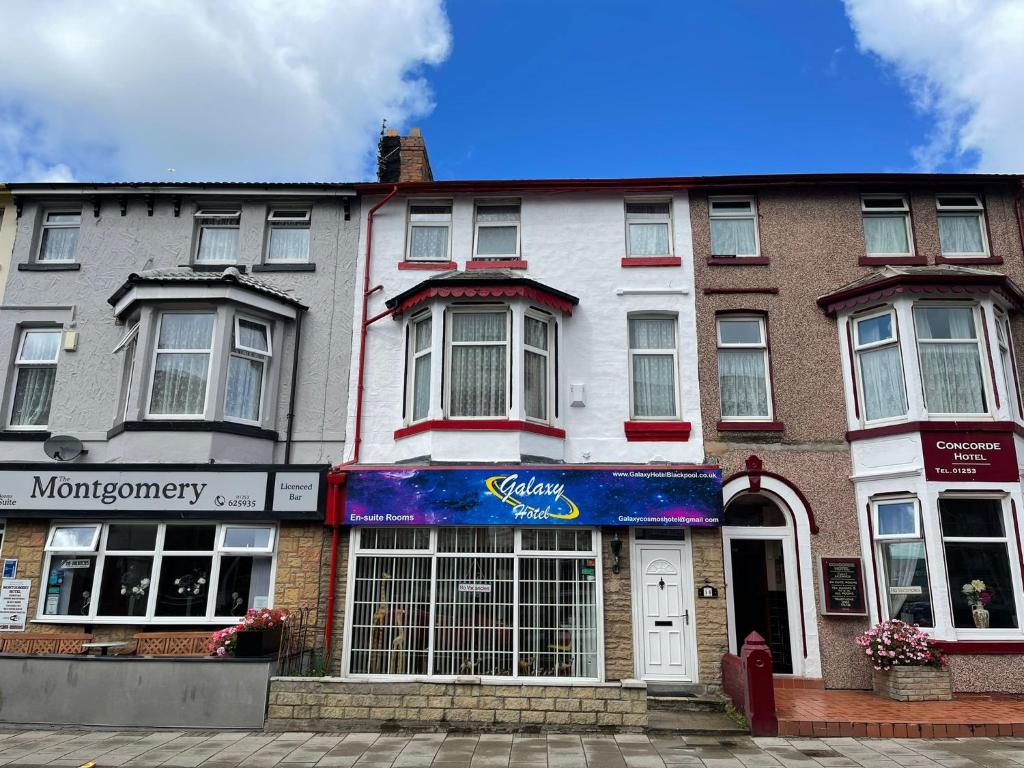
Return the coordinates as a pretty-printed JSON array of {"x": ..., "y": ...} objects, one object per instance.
[{"x": 686, "y": 617}]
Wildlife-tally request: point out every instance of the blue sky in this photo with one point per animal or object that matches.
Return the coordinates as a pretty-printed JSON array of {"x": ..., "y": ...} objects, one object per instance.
[{"x": 269, "y": 90}]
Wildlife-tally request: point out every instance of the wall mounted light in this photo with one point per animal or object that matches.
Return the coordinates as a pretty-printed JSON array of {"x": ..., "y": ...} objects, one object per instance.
[{"x": 615, "y": 545}]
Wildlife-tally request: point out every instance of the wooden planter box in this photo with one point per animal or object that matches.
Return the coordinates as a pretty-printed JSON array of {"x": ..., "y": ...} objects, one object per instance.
[{"x": 913, "y": 684}]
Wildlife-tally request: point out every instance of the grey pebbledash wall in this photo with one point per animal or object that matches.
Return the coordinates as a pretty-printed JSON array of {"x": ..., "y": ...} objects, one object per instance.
[{"x": 110, "y": 248}]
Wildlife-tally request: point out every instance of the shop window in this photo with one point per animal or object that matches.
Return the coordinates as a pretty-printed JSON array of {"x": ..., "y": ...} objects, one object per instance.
[
  {"x": 288, "y": 236},
  {"x": 430, "y": 225},
  {"x": 59, "y": 239},
  {"x": 35, "y": 371},
  {"x": 977, "y": 553},
  {"x": 477, "y": 351},
  {"x": 217, "y": 234},
  {"x": 886, "y": 225},
  {"x": 497, "y": 230},
  {"x": 538, "y": 337},
  {"x": 181, "y": 365},
  {"x": 879, "y": 366},
  {"x": 418, "y": 365},
  {"x": 1008, "y": 363},
  {"x": 961, "y": 225},
  {"x": 653, "y": 362},
  {"x": 743, "y": 369},
  {"x": 733, "y": 226},
  {"x": 157, "y": 572},
  {"x": 901, "y": 561},
  {"x": 950, "y": 354},
  {"x": 495, "y": 602},
  {"x": 247, "y": 369},
  {"x": 649, "y": 227}
]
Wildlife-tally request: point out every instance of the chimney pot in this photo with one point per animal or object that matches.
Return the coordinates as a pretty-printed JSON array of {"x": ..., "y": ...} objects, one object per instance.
[
  {"x": 392, "y": 132},
  {"x": 415, "y": 132}
]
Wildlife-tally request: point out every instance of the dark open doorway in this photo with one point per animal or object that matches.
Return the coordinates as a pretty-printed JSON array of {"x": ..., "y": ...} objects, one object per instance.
[{"x": 759, "y": 597}]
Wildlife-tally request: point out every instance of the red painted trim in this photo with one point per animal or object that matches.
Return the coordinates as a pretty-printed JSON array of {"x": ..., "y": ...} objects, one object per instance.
[
  {"x": 874, "y": 565},
  {"x": 895, "y": 261},
  {"x": 737, "y": 291},
  {"x": 934, "y": 426},
  {"x": 980, "y": 647},
  {"x": 478, "y": 425},
  {"x": 757, "y": 474},
  {"x": 969, "y": 260},
  {"x": 485, "y": 292},
  {"x": 657, "y": 431},
  {"x": 751, "y": 426},
  {"x": 771, "y": 368},
  {"x": 912, "y": 284},
  {"x": 496, "y": 264},
  {"x": 737, "y": 261},
  {"x": 988, "y": 351},
  {"x": 652, "y": 261},
  {"x": 1016, "y": 531},
  {"x": 853, "y": 367},
  {"x": 428, "y": 265}
]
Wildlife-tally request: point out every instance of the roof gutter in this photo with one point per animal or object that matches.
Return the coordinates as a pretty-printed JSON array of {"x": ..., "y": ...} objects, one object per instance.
[{"x": 75, "y": 191}]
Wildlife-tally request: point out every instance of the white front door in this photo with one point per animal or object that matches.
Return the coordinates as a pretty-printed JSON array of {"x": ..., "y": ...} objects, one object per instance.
[{"x": 663, "y": 592}]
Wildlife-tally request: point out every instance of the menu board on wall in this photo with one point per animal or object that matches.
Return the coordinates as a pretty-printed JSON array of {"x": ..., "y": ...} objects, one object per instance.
[{"x": 841, "y": 583}]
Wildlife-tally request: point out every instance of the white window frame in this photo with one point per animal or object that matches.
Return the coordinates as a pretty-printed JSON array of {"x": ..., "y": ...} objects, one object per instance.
[
  {"x": 239, "y": 317},
  {"x": 411, "y": 360},
  {"x": 129, "y": 344},
  {"x": 518, "y": 553},
  {"x": 959, "y": 210},
  {"x": 19, "y": 364},
  {"x": 547, "y": 354},
  {"x": 278, "y": 218},
  {"x": 216, "y": 218},
  {"x": 763, "y": 346},
  {"x": 235, "y": 349},
  {"x": 858, "y": 373},
  {"x": 652, "y": 219},
  {"x": 986, "y": 383},
  {"x": 917, "y": 533},
  {"x": 478, "y": 225},
  {"x": 97, "y": 527},
  {"x": 727, "y": 214},
  {"x": 449, "y": 315},
  {"x": 660, "y": 352},
  {"x": 411, "y": 224},
  {"x": 903, "y": 209},
  {"x": 157, "y": 351},
  {"x": 222, "y": 535},
  {"x": 47, "y": 225},
  {"x": 1008, "y": 360},
  {"x": 879, "y": 560},
  {"x": 158, "y": 553}
]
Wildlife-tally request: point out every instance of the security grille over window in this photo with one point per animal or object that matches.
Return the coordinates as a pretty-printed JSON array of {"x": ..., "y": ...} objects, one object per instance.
[{"x": 492, "y": 602}]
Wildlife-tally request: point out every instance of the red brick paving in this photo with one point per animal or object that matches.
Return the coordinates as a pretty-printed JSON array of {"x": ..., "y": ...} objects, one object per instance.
[{"x": 809, "y": 712}]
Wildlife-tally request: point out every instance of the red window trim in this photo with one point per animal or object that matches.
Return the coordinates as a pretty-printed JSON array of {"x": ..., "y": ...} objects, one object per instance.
[
  {"x": 428, "y": 265},
  {"x": 496, "y": 264},
  {"x": 657, "y": 431},
  {"x": 982, "y": 647},
  {"x": 478, "y": 425},
  {"x": 768, "y": 290},
  {"x": 969, "y": 260},
  {"x": 896, "y": 261},
  {"x": 652, "y": 261},
  {"x": 933, "y": 426},
  {"x": 751, "y": 426},
  {"x": 737, "y": 261}
]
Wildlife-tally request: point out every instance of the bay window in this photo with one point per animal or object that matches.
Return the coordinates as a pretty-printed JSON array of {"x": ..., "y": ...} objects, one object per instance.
[
  {"x": 429, "y": 237},
  {"x": 478, "y": 361},
  {"x": 743, "y": 368},
  {"x": 418, "y": 365},
  {"x": 492, "y": 602},
  {"x": 653, "y": 363},
  {"x": 497, "y": 230},
  {"x": 35, "y": 371},
  {"x": 247, "y": 364},
  {"x": 901, "y": 561},
  {"x": 879, "y": 366},
  {"x": 156, "y": 572},
  {"x": 733, "y": 223},
  {"x": 217, "y": 235},
  {"x": 886, "y": 225},
  {"x": 950, "y": 354},
  {"x": 961, "y": 225},
  {"x": 1009, "y": 363},
  {"x": 181, "y": 365},
  {"x": 649, "y": 227}
]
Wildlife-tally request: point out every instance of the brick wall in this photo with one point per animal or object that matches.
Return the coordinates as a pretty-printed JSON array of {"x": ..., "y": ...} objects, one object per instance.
[
  {"x": 319, "y": 704},
  {"x": 712, "y": 623},
  {"x": 618, "y": 613},
  {"x": 300, "y": 563}
]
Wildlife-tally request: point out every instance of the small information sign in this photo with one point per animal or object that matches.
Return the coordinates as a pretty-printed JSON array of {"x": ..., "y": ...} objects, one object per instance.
[{"x": 841, "y": 580}]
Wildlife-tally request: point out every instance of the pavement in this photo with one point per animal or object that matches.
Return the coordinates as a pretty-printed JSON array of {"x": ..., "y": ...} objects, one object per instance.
[{"x": 375, "y": 750}]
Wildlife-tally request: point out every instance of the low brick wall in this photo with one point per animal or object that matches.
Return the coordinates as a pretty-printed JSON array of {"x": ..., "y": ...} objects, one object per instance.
[
  {"x": 318, "y": 704},
  {"x": 913, "y": 684}
]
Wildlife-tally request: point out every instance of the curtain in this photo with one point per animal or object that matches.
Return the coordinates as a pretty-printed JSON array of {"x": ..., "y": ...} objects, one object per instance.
[
  {"x": 421, "y": 388},
  {"x": 185, "y": 331},
  {"x": 429, "y": 243},
  {"x": 289, "y": 244},
  {"x": 218, "y": 244},
  {"x": 478, "y": 370},
  {"x": 179, "y": 383},
  {"x": 32, "y": 396},
  {"x": 961, "y": 234},
  {"x": 243, "y": 390},
  {"x": 536, "y": 386},
  {"x": 881, "y": 373},
  {"x": 901, "y": 561},
  {"x": 252, "y": 335},
  {"x": 59, "y": 244},
  {"x": 733, "y": 237},
  {"x": 742, "y": 381},
  {"x": 40, "y": 346},
  {"x": 652, "y": 333},
  {"x": 950, "y": 370},
  {"x": 648, "y": 239},
  {"x": 886, "y": 234},
  {"x": 654, "y": 391},
  {"x": 496, "y": 241}
]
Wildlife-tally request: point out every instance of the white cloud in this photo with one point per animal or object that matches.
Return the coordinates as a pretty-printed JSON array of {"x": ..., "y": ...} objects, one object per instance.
[
  {"x": 227, "y": 90},
  {"x": 962, "y": 61}
]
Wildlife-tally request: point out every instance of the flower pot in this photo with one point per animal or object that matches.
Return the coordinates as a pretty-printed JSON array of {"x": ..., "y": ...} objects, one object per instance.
[
  {"x": 257, "y": 642},
  {"x": 982, "y": 619},
  {"x": 913, "y": 683}
]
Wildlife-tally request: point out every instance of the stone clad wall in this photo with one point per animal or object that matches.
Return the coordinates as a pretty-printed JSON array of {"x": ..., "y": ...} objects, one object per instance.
[
  {"x": 297, "y": 583},
  {"x": 712, "y": 622},
  {"x": 618, "y": 612},
  {"x": 330, "y": 703}
]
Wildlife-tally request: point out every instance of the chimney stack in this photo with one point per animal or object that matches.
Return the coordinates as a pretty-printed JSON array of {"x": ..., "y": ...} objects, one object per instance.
[{"x": 403, "y": 158}]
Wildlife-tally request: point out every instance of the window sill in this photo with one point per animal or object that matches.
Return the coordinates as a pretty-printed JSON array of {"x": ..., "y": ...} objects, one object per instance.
[
  {"x": 652, "y": 261},
  {"x": 479, "y": 425},
  {"x": 751, "y": 426},
  {"x": 28, "y": 435},
  {"x": 42, "y": 266},
  {"x": 896, "y": 261},
  {"x": 298, "y": 267},
  {"x": 657, "y": 431},
  {"x": 906, "y": 427},
  {"x": 496, "y": 264},
  {"x": 172, "y": 425},
  {"x": 429, "y": 265},
  {"x": 737, "y": 261},
  {"x": 968, "y": 260},
  {"x": 214, "y": 267},
  {"x": 980, "y": 647}
]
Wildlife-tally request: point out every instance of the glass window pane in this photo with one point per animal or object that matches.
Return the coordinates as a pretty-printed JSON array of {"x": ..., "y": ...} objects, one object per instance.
[
  {"x": 421, "y": 388},
  {"x": 733, "y": 237},
  {"x": 945, "y": 322},
  {"x": 479, "y": 326},
  {"x": 179, "y": 384},
  {"x": 654, "y": 386},
  {"x": 905, "y": 581},
  {"x": 131, "y": 537},
  {"x": 184, "y": 586},
  {"x": 536, "y": 385},
  {"x": 421, "y": 335},
  {"x": 40, "y": 346},
  {"x": 124, "y": 587},
  {"x": 886, "y": 234},
  {"x": 754, "y": 510},
  {"x": 429, "y": 243},
  {"x": 186, "y": 331},
  {"x": 244, "y": 583},
  {"x": 536, "y": 333},
  {"x": 61, "y": 217},
  {"x": 896, "y": 517},
  {"x": 654, "y": 210},
  {"x": 248, "y": 537},
  {"x": 652, "y": 333},
  {"x": 961, "y": 234},
  {"x": 252, "y": 335},
  {"x": 489, "y": 213},
  {"x": 872, "y": 329},
  {"x": 740, "y": 331},
  {"x": 973, "y": 518},
  {"x": 980, "y": 582},
  {"x": 885, "y": 394},
  {"x": 189, "y": 538},
  {"x": 743, "y": 383},
  {"x": 952, "y": 378},
  {"x": 476, "y": 540},
  {"x": 73, "y": 537},
  {"x": 33, "y": 395},
  {"x": 244, "y": 388},
  {"x": 558, "y": 634},
  {"x": 438, "y": 212},
  {"x": 730, "y": 206},
  {"x": 288, "y": 244},
  {"x": 218, "y": 245},
  {"x": 59, "y": 244},
  {"x": 478, "y": 381},
  {"x": 497, "y": 241},
  {"x": 69, "y": 585},
  {"x": 648, "y": 240},
  {"x": 394, "y": 538}
]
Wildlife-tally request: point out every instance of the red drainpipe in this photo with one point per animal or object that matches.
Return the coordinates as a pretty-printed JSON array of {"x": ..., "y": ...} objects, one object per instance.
[{"x": 336, "y": 477}]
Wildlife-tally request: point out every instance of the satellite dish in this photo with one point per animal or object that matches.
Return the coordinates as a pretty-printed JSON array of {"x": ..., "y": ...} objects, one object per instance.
[{"x": 63, "y": 448}]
